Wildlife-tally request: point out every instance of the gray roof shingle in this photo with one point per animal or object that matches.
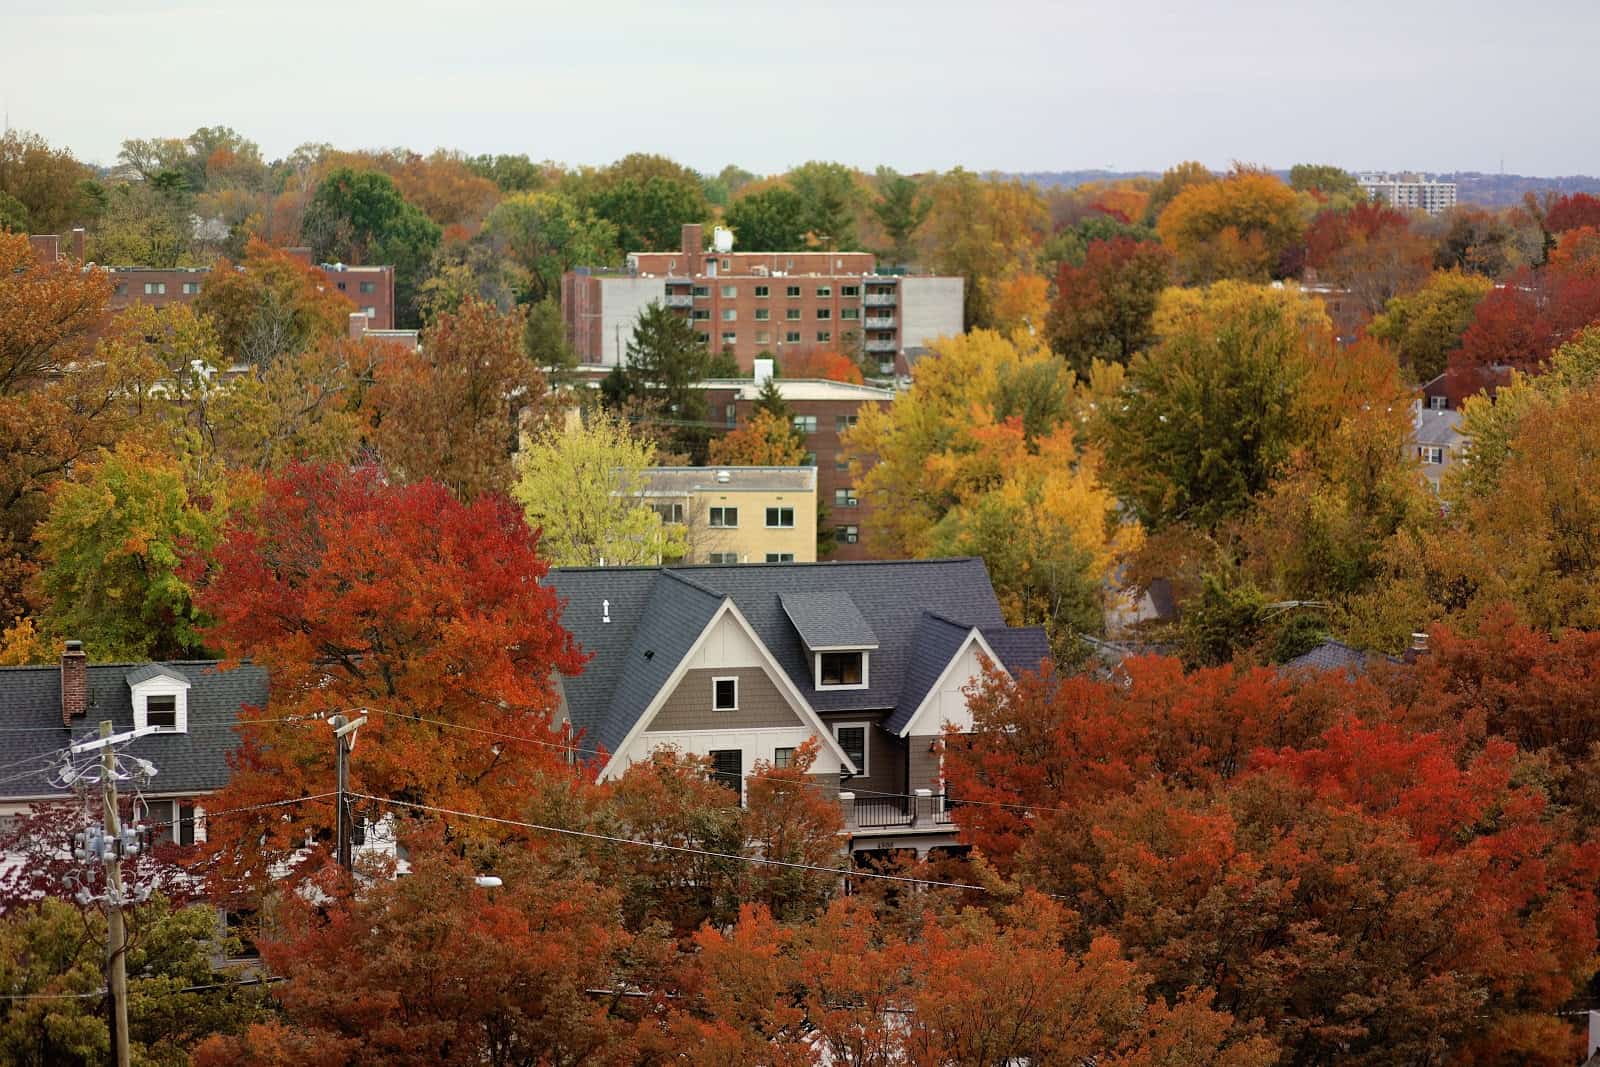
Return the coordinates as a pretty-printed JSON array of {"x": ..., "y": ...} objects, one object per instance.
[
  {"x": 664, "y": 609},
  {"x": 156, "y": 670},
  {"x": 188, "y": 763},
  {"x": 1336, "y": 656},
  {"x": 828, "y": 620}
]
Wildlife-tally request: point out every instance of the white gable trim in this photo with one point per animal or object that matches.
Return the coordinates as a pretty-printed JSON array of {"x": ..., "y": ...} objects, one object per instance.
[
  {"x": 780, "y": 678},
  {"x": 931, "y": 698}
]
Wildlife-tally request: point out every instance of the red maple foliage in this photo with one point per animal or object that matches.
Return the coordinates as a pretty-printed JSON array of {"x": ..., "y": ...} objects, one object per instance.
[
  {"x": 401, "y": 601},
  {"x": 824, "y": 364},
  {"x": 1520, "y": 323},
  {"x": 1571, "y": 212}
]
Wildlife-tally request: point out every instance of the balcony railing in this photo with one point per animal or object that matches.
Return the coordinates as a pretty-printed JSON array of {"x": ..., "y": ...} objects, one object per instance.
[
  {"x": 879, "y": 300},
  {"x": 679, "y": 300},
  {"x": 882, "y": 322},
  {"x": 923, "y": 811},
  {"x": 875, "y": 345}
]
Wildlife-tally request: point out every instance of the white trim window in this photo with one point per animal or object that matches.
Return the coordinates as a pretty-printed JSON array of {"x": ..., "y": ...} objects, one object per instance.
[
  {"x": 724, "y": 518},
  {"x": 841, "y": 669},
  {"x": 780, "y": 518},
  {"x": 853, "y": 737},
  {"x": 725, "y": 693},
  {"x": 1433, "y": 454}
]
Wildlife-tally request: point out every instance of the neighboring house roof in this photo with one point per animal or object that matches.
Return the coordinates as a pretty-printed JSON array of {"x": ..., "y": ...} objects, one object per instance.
[
  {"x": 663, "y": 610},
  {"x": 1431, "y": 426},
  {"x": 682, "y": 481},
  {"x": 192, "y": 762},
  {"x": 1336, "y": 656},
  {"x": 801, "y": 389}
]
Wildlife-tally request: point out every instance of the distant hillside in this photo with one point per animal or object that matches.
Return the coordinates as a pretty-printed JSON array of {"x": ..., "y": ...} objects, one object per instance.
[{"x": 1472, "y": 187}]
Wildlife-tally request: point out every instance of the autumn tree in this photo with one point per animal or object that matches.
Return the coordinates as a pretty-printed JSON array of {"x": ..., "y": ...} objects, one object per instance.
[
  {"x": 1329, "y": 181},
  {"x": 46, "y": 184},
  {"x": 822, "y": 363},
  {"x": 355, "y": 592},
  {"x": 1237, "y": 227},
  {"x": 546, "y": 234},
  {"x": 766, "y": 440},
  {"x": 1102, "y": 309},
  {"x": 983, "y": 230},
  {"x": 1369, "y": 250},
  {"x": 1425, "y": 326},
  {"x": 111, "y": 546},
  {"x": 361, "y": 217},
  {"x": 583, "y": 488},
  {"x": 648, "y": 199},
  {"x": 1212, "y": 413},
  {"x": 768, "y": 219},
  {"x": 271, "y": 305},
  {"x": 830, "y": 197},
  {"x": 1173, "y": 181},
  {"x": 1520, "y": 324},
  {"x": 452, "y": 410},
  {"x": 1570, "y": 212}
]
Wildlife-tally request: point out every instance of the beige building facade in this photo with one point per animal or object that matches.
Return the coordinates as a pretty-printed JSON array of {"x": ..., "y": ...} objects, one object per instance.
[{"x": 739, "y": 514}]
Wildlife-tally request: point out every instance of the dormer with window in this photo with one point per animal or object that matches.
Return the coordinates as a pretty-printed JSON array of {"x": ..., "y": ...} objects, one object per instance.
[
  {"x": 160, "y": 696},
  {"x": 836, "y": 636}
]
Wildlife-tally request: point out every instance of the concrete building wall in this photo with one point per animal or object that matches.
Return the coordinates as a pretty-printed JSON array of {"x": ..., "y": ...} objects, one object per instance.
[
  {"x": 931, "y": 308},
  {"x": 621, "y": 300}
]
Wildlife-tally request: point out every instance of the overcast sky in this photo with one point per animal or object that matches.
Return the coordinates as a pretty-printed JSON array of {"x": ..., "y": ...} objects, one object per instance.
[{"x": 917, "y": 84}]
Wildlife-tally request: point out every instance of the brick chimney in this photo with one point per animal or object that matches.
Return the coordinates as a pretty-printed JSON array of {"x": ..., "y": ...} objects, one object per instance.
[
  {"x": 77, "y": 243},
  {"x": 358, "y": 324},
  {"x": 694, "y": 244},
  {"x": 74, "y": 682},
  {"x": 1418, "y": 649},
  {"x": 301, "y": 253},
  {"x": 46, "y": 247}
]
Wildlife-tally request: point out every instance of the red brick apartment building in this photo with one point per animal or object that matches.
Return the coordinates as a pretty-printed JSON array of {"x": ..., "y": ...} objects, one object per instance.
[
  {"x": 822, "y": 411},
  {"x": 751, "y": 303},
  {"x": 371, "y": 289}
]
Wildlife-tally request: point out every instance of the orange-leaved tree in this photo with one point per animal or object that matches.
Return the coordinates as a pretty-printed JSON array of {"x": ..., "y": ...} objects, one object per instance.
[
  {"x": 767, "y": 440},
  {"x": 428, "y": 614},
  {"x": 822, "y": 363},
  {"x": 271, "y": 304}
]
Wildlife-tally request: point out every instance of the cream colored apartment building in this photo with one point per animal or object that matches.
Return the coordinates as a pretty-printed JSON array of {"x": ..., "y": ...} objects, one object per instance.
[{"x": 740, "y": 514}]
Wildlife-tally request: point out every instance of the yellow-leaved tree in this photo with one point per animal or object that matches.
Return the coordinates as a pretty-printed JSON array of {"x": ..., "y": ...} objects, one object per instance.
[{"x": 981, "y": 457}]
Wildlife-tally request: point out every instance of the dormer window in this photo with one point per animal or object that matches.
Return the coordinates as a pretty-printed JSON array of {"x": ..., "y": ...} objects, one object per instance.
[
  {"x": 160, "y": 697},
  {"x": 161, "y": 711},
  {"x": 841, "y": 669}
]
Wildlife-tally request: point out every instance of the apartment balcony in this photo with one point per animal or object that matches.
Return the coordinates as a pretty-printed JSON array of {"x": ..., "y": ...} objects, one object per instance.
[
  {"x": 879, "y": 300},
  {"x": 924, "y": 811},
  {"x": 876, "y": 344},
  {"x": 881, "y": 322},
  {"x": 679, "y": 300}
]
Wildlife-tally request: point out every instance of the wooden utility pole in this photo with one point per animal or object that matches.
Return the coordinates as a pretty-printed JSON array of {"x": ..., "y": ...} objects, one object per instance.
[
  {"x": 116, "y": 930},
  {"x": 343, "y": 741}
]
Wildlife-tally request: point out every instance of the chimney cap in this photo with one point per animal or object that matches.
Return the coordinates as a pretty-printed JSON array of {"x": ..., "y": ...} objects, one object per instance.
[
  {"x": 1419, "y": 640},
  {"x": 74, "y": 646}
]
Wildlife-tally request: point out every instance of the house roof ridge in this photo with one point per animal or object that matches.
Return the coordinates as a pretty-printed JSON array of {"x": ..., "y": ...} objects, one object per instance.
[{"x": 669, "y": 572}]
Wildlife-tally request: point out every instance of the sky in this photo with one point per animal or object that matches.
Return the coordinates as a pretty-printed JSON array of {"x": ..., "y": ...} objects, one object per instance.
[{"x": 1431, "y": 85}]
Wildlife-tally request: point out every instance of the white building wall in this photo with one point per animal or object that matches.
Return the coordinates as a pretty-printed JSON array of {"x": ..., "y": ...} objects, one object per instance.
[
  {"x": 621, "y": 301},
  {"x": 755, "y": 744},
  {"x": 947, "y": 703},
  {"x": 727, "y": 645},
  {"x": 930, "y": 308}
]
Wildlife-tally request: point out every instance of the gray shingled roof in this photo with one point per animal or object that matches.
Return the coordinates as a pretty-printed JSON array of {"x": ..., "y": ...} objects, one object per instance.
[
  {"x": 156, "y": 670},
  {"x": 192, "y": 762},
  {"x": 828, "y": 620},
  {"x": 1335, "y": 656},
  {"x": 664, "y": 609},
  {"x": 935, "y": 644}
]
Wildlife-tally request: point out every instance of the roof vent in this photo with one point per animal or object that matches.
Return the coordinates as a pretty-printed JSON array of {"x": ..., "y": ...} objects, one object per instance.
[
  {"x": 605, "y": 611},
  {"x": 724, "y": 476}
]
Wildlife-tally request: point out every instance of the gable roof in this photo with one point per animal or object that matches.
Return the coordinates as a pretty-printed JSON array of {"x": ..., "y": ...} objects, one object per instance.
[
  {"x": 939, "y": 640},
  {"x": 188, "y": 763},
  {"x": 156, "y": 670},
  {"x": 1336, "y": 656},
  {"x": 664, "y": 610}
]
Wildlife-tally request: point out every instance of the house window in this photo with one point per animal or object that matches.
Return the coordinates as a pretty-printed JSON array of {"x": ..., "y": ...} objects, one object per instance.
[
  {"x": 1437, "y": 403},
  {"x": 731, "y": 413},
  {"x": 852, "y": 737},
  {"x": 824, "y": 336},
  {"x": 724, "y": 518},
  {"x": 849, "y": 313},
  {"x": 792, "y": 314},
  {"x": 340, "y": 286},
  {"x": 824, "y": 292},
  {"x": 792, "y": 336},
  {"x": 369, "y": 287},
  {"x": 725, "y": 694},
  {"x": 191, "y": 288},
  {"x": 372, "y": 312},
  {"x": 849, "y": 290},
  {"x": 1431, "y": 453},
  {"x": 729, "y": 337},
  {"x": 810, "y": 460},
  {"x": 782, "y": 757},
  {"x": 839, "y": 669},
  {"x": 805, "y": 424},
  {"x": 792, "y": 292},
  {"x": 727, "y": 264},
  {"x": 841, "y": 423},
  {"x": 824, "y": 313},
  {"x": 722, "y": 557},
  {"x": 161, "y": 712},
  {"x": 154, "y": 288},
  {"x": 780, "y": 557},
  {"x": 762, "y": 292},
  {"x": 705, "y": 338},
  {"x": 847, "y": 535},
  {"x": 700, "y": 314},
  {"x": 702, "y": 291},
  {"x": 763, "y": 337},
  {"x": 730, "y": 314},
  {"x": 727, "y": 767},
  {"x": 669, "y": 512},
  {"x": 841, "y": 463},
  {"x": 763, "y": 314},
  {"x": 122, "y": 288},
  {"x": 729, "y": 291},
  {"x": 844, "y": 497},
  {"x": 780, "y": 518},
  {"x": 172, "y": 821}
]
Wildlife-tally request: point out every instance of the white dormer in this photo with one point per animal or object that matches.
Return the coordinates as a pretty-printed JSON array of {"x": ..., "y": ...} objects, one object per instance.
[
  {"x": 836, "y": 635},
  {"x": 160, "y": 698}
]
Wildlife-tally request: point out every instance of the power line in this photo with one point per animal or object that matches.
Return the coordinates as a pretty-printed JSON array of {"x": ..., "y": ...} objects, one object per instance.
[
  {"x": 262, "y": 980},
  {"x": 685, "y": 849}
]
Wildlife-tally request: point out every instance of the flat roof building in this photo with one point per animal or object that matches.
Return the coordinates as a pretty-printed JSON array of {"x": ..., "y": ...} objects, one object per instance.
[
  {"x": 1410, "y": 191},
  {"x": 739, "y": 514},
  {"x": 750, "y": 304}
]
